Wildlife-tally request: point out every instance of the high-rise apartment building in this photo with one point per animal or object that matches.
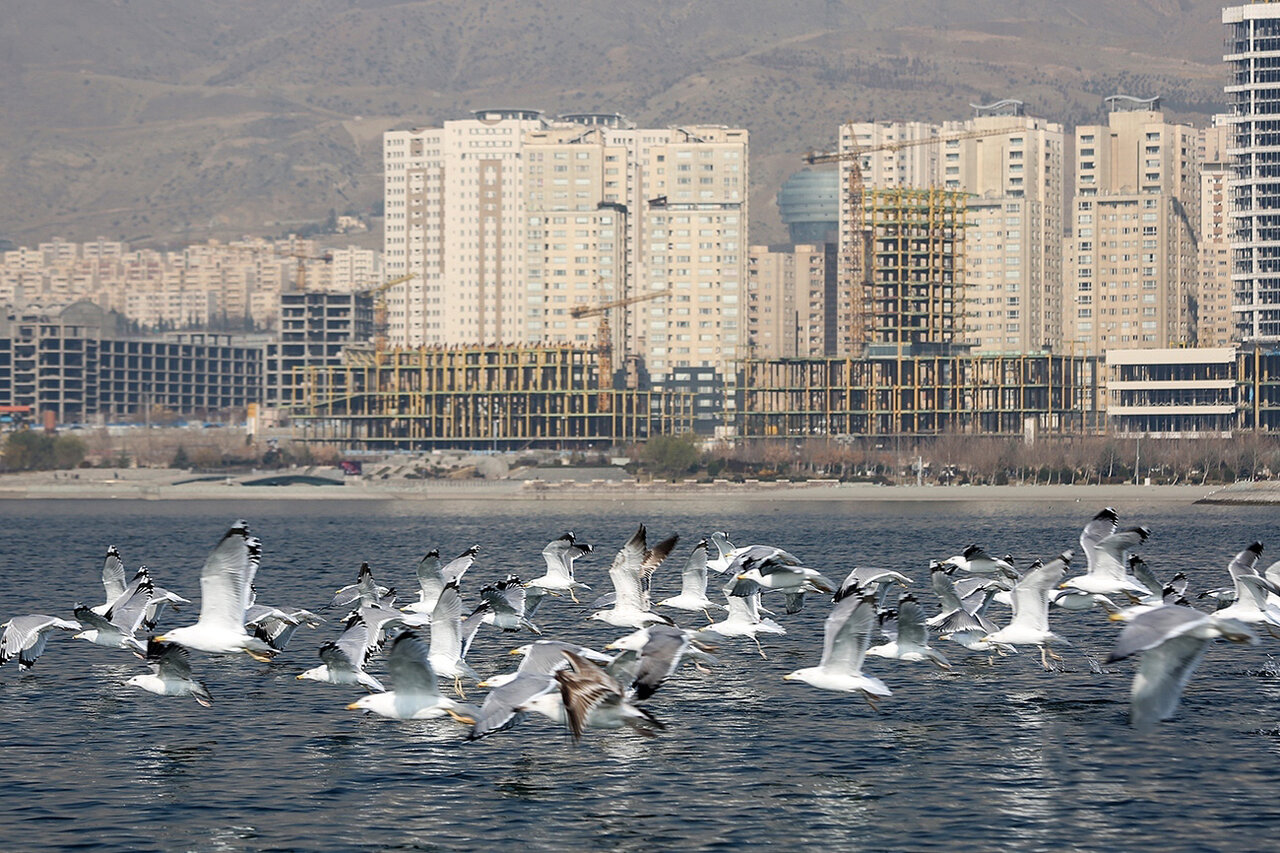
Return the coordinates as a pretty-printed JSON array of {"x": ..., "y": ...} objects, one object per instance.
[
  {"x": 1214, "y": 324},
  {"x": 512, "y": 219},
  {"x": 789, "y": 301},
  {"x": 1253, "y": 96},
  {"x": 1012, "y": 166},
  {"x": 1133, "y": 265}
]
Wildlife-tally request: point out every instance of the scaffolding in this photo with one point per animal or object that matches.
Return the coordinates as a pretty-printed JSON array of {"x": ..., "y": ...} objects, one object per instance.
[
  {"x": 479, "y": 397},
  {"x": 929, "y": 394}
]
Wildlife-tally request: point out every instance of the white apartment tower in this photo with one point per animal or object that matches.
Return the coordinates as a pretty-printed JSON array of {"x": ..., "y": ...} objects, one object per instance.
[
  {"x": 512, "y": 219},
  {"x": 1253, "y": 95},
  {"x": 1133, "y": 264},
  {"x": 1012, "y": 166}
]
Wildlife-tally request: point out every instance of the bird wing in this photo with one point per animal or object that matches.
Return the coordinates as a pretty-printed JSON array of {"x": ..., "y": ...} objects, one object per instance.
[
  {"x": 583, "y": 688},
  {"x": 847, "y": 634},
  {"x": 1162, "y": 675},
  {"x": 430, "y": 574},
  {"x": 501, "y": 708},
  {"x": 1245, "y": 563},
  {"x": 409, "y": 667},
  {"x": 557, "y": 556},
  {"x": 911, "y": 627},
  {"x": 1111, "y": 553},
  {"x": 627, "y": 571},
  {"x": 1030, "y": 597},
  {"x": 127, "y": 614},
  {"x": 113, "y": 574},
  {"x": 446, "y": 624},
  {"x": 224, "y": 586},
  {"x": 693, "y": 578},
  {"x": 653, "y": 558},
  {"x": 172, "y": 662},
  {"x": 457, "y": 567},
  {"x": 1099, "y": 527},
  {"x": 354, "y": 642},
  {"x": 659, "y": 657}
]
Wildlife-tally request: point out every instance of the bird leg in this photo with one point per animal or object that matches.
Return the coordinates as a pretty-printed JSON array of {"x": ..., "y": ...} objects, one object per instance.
[
  {"x": 867, "y": 697},
  {"x": 457, "y": 686},
  {"x": 759, "y": 648},
  {"x": 459, "y": 717},
  {"x": 574, "y": 596},
  {"x": 708, "y": 615}
]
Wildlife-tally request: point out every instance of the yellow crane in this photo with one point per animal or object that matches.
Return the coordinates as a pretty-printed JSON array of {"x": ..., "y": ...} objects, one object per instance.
[
  {"x": 604, "y": 334},
  {"x": 379, "y": 294},
  {"x": 857, "y": 247},
  {"x": 300, "y": 277}
]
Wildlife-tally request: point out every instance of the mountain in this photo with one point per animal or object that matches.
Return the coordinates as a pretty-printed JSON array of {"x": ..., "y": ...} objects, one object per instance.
[{"x": 169, "y": 121}]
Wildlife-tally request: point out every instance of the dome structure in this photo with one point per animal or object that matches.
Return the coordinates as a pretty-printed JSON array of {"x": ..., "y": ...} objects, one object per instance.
[{"x": 809, "y": 204}]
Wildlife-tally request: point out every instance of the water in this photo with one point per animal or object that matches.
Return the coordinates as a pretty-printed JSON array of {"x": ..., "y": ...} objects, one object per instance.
[{"x": 1002, "y": 755}]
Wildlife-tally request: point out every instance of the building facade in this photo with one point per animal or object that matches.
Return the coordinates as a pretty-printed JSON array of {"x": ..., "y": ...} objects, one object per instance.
[
  {"x": 1213, "y": 321},
  {"x": 791, "y": 303},
  {"x": 512, "y": 219},
  {"x": 1133, "y": 262},
  {"x": 1253, "y": 97}
]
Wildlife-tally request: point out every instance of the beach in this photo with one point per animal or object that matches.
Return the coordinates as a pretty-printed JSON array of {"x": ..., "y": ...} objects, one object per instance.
[{"x": 172, "y": 484}]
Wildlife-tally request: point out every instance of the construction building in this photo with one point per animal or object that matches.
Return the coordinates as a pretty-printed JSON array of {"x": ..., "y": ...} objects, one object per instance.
[
  {"x": 479, "y": 397},
  {"x": 1012, "y": 167},
  {"x": 914, "y": 395},
  {"x": 315, "y": 327},
  {"x": 1133, "y": 262}
]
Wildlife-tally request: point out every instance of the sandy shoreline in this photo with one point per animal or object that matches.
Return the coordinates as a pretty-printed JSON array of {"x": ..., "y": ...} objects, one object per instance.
[{"x": 159, "y": 484}]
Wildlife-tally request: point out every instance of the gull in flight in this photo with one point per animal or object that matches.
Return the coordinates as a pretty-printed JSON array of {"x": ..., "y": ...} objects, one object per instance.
[
  {"x": 846, "y": 637},
  {"x": 744, "y": 619},
  {"x": 1106, "y": 550},
  {"x": 365, "y": 591},
  {"x": 976, "y": 561},
  {"x": 344, "y": 659},
  {"x": 589, "y": 697},
  {"x": 433, "y": 577},
  {"x": 1172, "y": 640},
  {"x": 415, "y": 694},
  {"x": 658, "y": 651},
  {"x": 632, "y": 569},
  {"x": 1030, "y": 600},
  {"x": 25, "y": 637},
  {"x": 778, "y": 570},
  {"x": 116, "y": 627},
  {"x": 910, "y": 640},
  {"x": 506, "y": 605},
  {"x": 559, "y": 555},
  {"x": 171, "y": 675},
  {"x": 225, "y": 589},
  {"x": 451, "y": 638},
  {"x": 693, "y": 585}
]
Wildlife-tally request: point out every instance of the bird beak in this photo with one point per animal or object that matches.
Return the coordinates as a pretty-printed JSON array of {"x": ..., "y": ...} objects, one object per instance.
[
  {"x": 162, "y": 638},
  {"x": 298, "y": 677},
  {"x": 611, "y": 647},
  {"x": 1062, "y": 586},
  {"x": 740, "y": 577},
  {"x": 484, "y": 683},
  {"x": 354, "y": 706},
  {"x": 1116, "y": 617},
  {"x": 787, "y": 677},
  {"x": 514, "y": 652},
  {"x": 79, "y": 636}
]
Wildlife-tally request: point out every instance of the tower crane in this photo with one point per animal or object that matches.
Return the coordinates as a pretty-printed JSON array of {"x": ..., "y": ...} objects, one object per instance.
[
  {"x": 856, "y": 246},
  {"x": 379, "y": 294},
  {"x": 300, "y": 277},
  {"x": 604, "y": 334}
]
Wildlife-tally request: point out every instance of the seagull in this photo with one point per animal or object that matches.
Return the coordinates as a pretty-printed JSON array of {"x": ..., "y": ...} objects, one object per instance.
[
  {"x": 1252, "y": 592},
  {"x": 971, "y": 627},
  {"x": 693, "y": 585},
  {"x": 116, "y": 628},
  {"x": 276, "y": 626},
  {"x": 911, "y": 640},
  {"x": 451, "y": 637},
  {"x": 632, "y": 569},
  {"x": 744, "y": 619},
  {"x": 775, "y": 569},
  {"x": 591, "y": 698},
  {"x": 363, "y": 592},
  {"x": 846, "y": 636},
  {"x": 659, "y": 650},
  {"x": 1172, "y": 640},
  {"x": 25, "y": 637},
  {"x": 416, "y": 695},
  {"x": 114, "y": 584},
  {"x": 224, "y": 598},
  {"x": 434, "y": 577},
  {"x": 559, "y": 556},
  {"x": 977, "y": 561},
  {"x": 171, "y": 675},
  {"x": 504, "y": 605},
  {"x": 865, "y": 580},
  {"x": 1030, "y": 622},
  {"x": 344, "y": 659},
  {"x": 509, "y": 693},
  {"x": 1106, "y": 550}
]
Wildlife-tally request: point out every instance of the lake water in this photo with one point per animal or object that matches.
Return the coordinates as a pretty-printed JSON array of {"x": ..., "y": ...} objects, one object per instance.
[{"x": 1002, "y": 756}]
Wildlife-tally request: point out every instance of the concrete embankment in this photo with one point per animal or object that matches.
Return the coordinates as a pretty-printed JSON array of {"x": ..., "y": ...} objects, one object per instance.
[{"x": 1245, "y": 493}]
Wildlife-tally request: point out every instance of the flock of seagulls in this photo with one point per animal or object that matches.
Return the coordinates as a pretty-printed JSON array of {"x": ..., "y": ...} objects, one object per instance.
[{"x": 422, "y": 645}]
